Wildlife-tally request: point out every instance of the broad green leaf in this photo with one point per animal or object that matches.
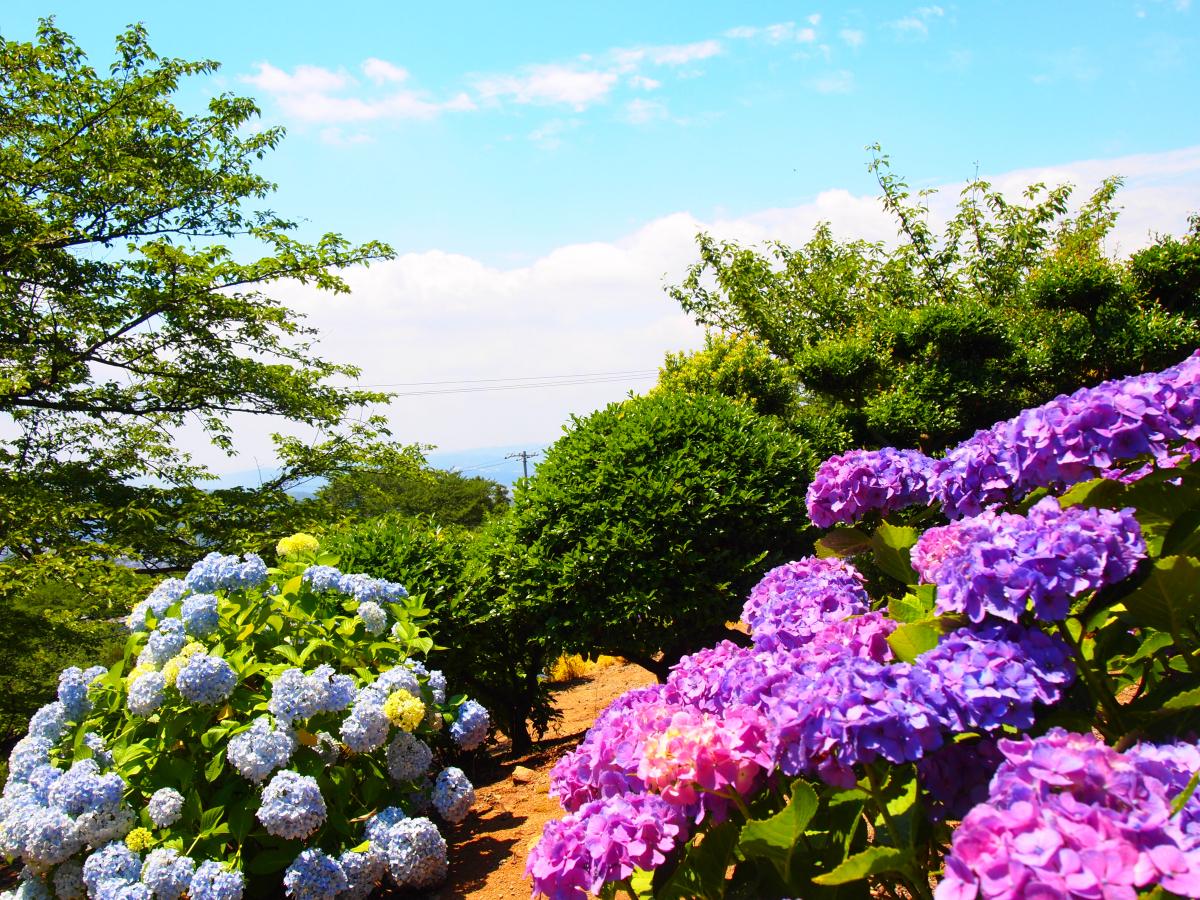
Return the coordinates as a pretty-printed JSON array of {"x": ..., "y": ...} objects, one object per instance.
[
  {"x": 213, "y": 770},
  {"x": 701, "y": 872},
  {"x": 872, "y": 861},
  {"x": 911, "y": 640},
  {"x": 843, "y": 542},
  {"x": 892, "y": 544},
  {"x": 641, "y": 883},
  {"x": 1170, "y": 597},
  {"x": 776, "y": 837},
  {"x": 909, "y": 608},
  {"x": 1184, "y": 700}
]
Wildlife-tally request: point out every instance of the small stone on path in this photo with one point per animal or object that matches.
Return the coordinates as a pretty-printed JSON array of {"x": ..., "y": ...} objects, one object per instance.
[{"x": 522, "y": 775}]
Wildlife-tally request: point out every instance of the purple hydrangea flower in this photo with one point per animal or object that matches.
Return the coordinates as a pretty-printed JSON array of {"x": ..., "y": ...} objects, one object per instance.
[
  {"x": 796, "y": 601},
  {"x": 1068, "y": 816},
  {"x": 1001, "y": 563},
  {"x": 1075, "y": 438},
  {"x": 604, "y": 841},
  {"x": 861, "y": 481}
]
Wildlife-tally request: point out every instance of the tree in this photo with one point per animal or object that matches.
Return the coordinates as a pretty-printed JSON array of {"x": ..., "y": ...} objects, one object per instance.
[
  {"x": 927, "y": 341},
  {"x": 123, "y": 312},
  {"x": 449, "y": 498},
  {"x": 734, "y": 366},
  {"x": 648, "y": 522}
]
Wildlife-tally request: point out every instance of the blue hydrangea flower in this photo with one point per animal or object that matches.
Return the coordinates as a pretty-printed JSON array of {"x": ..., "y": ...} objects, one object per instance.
[
  {"x": 50, "y": 837},
  {"x": 364, "y": 872},
  {"x": 213, "y": 881},
  {"x": 363, "y": 587},
  {"x": 398, "y": 678},
  {"x": 366, "y": 728},
  {"x": 68, "y": 881},
  {"x": 99, "y": 749},
  {"x": 292, "y": 806},
  {"x": 82, "y": 788},
  {"x": 49, "y": 722},
  {"x": 164, "y": 595},
  {"x": 146, "y": 693},
  {"x": 322, "y": 578},
  {"x": 218, "y": 572},
  {"x": 104, "y": 824},
  {"x": 382, "y": 821},
  {"x": 415, "y": 853},
  {"x": 261, "y": 750},
  {"x": 73, "y": 684},
  {"x": 408, "y": 757},
  {"x": 41, "y": 780},
  {"x": 199, "y": 614},
  {"x": 166, "y": 640},
  {"x": 314, "y": 875},
  {"x": 111, "y": 863},
  {"x": 29, "y": 753},
  {"x": 207, "y": 680},
  {"x": 453, "y": 794},
  {"x": 167, "y": 873},
  {"x": 165, "y": 807},
  {"x": 471, "y": 725},
  {"x": 295, "y": 695},
  {"x": 31, "y": 888},
  {"x": 373, "y": 617}
]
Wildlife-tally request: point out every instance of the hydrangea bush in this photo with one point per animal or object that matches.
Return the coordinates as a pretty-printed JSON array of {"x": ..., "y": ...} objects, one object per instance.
[
  {"x": 268, "y": 731},
  {"x": 995, "y": 694}
]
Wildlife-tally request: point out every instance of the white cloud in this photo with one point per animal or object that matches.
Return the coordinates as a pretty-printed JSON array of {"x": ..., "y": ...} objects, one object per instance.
[
  {"x": 548, "y": 85},
  {"x": 917, "y": 24},
  {"x": 839, "y": 82},
  {"x": 814, "y": 19},
  {"x": 777, "y": 33},
  {"x": 682, "y": 54},
  {"x": 380, "y": 71},
  {"x": 549, "y": 135},
  {"x": 852, "y": 37},
  {"x": 600, "y": 307},
  {"x": 639, "y": 112},
  {"x": 641, "y": 82},
  {"x": 314, "y": 94}
]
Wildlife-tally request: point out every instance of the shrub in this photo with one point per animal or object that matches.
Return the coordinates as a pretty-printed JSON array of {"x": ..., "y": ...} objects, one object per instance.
[
  {"x": 267, "y": 730},
  {"x": 1000, "y": 704}
]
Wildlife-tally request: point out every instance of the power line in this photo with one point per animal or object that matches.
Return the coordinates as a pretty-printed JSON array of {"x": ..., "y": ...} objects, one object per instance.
[
  {"x": 520, "y": 378},
  {"x": 516, "y": 387}
]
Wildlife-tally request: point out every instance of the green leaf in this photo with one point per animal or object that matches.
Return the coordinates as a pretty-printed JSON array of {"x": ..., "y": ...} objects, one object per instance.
[
  {"x": 872, "y": 861},
  {"x": 911, "y": 640},
  {"x": 1170, "y": 597},
  {"x": 701, "y": 872},
  {"x": 892, "y": 544},
  {"x": 843, "y": 542},
  {"x": 641, "y": 883},
  {"x": 1184, "y": 700},
  {"x": 776, "y": 837},
  {"x": 909, "y": 608},
  {"x": 215, "y": 765},
  {"x": 1190, "y": 788}
]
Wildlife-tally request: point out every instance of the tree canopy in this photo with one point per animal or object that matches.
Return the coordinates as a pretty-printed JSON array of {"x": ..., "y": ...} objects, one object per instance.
[
  {"x": 125, "y": 311},
  {"x": 649, "y": 520},
  {"x": 928, "y": 340}
]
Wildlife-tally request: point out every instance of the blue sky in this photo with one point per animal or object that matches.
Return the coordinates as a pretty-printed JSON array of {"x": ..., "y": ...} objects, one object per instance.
[{"x": 541, "y": 167}]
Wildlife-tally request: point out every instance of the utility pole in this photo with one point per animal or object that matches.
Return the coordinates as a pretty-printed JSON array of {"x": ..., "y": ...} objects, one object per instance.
[{"x": 524, "y": 456}]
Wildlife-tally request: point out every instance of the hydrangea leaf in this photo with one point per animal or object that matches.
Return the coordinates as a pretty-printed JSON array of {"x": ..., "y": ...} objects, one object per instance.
[
  {"x": 701, "y": 873},
  {"x": 776, "y": 837},
  {"x": 843, "y": 542},
  {"x": 1169, "y": 597},
  {"x": 911, "y": 640},
  {"x": 892, "y": 544},
  {"x": 872, "y": 861}
]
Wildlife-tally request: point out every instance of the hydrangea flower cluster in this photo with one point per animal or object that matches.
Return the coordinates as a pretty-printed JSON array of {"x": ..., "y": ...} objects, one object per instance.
[
  {"x": 1067, "y": 815},
  {"x": 292, "y": 806},
  {"x": 860, "y": 481},
  {"x": 818, "y": 694},
  {"x": 1074, "y": 438},
  {"x": 1000, "y": 564},
  {"x": 604, "y": 841},
  {"x": 205, "y": 648},
  {"x": 471, "y": 725},
  {"x": 217, "y": 572},
  {"x": 362, "y": 588}
]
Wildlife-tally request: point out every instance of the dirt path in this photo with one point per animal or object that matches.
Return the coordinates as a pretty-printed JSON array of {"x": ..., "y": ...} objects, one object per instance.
[{"x": 488, "y": 850}]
